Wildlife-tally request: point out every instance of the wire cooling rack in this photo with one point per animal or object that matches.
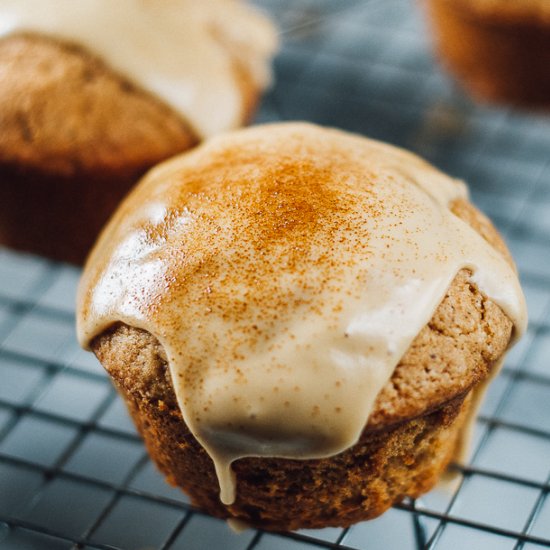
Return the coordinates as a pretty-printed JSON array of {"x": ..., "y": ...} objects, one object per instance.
[{"x": 73, "y": 472}]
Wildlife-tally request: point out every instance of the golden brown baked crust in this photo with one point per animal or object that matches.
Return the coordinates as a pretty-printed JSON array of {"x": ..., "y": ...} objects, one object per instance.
[
  {"x": 499, "y": 50},
  {"x": 63, "y": 111},
  {"x": 409, "y": 439},
  {"x": 75, "y": 137}
]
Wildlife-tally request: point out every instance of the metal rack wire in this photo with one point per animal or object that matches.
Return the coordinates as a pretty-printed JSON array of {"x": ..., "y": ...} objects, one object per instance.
[{"x": 73, "y": 472}]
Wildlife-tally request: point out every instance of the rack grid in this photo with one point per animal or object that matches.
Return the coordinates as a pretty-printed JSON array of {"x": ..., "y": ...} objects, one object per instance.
[{"x": 73, "y": 471}]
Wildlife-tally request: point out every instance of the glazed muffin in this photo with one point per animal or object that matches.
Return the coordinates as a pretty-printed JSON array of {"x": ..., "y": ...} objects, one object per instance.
[
  {"x": 498, "y": 49},
  {"x": 300, "y": 321},
  {"x": 93, "y": 94}
]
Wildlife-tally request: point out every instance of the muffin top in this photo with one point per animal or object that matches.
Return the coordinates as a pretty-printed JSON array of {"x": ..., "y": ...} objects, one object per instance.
[
  {"x": 186, "y": 53},
  {"x": 528, "y": 11},
  {"x": 286, "y": 270},
  {"x": 64, "y": 112}
]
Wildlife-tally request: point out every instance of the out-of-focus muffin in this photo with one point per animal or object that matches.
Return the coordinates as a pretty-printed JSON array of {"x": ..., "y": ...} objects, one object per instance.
[
  {"x": 94, "y": 93},
  {"x": 498, "y": 49},
  {"x": 300, "y": 322}
]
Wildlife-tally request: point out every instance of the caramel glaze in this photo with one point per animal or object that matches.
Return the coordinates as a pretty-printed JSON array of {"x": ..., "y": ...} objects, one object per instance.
[{"x": 285, "y": 269}]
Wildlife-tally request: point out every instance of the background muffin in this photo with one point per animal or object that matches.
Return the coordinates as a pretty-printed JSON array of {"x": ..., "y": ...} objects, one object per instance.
[
  {"x": 308, "y": 311},
  {"x": 86, "y": 109},
  {"x": 499, "y": 50}
]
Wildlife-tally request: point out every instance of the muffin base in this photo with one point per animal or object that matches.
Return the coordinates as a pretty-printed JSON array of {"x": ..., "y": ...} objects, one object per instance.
[
  {"x": 500, "y": 59},
  {"x": 56, "y": 216},
  {"x": 401, "y": 457},
  {"x": 361, "y": 483}
]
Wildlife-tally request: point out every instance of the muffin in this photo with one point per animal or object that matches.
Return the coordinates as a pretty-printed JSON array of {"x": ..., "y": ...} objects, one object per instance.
[
  {"x": 94, "y": 94},
  {"x": 498, "y": 49},
  {"x": 299, "y": 321}
]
